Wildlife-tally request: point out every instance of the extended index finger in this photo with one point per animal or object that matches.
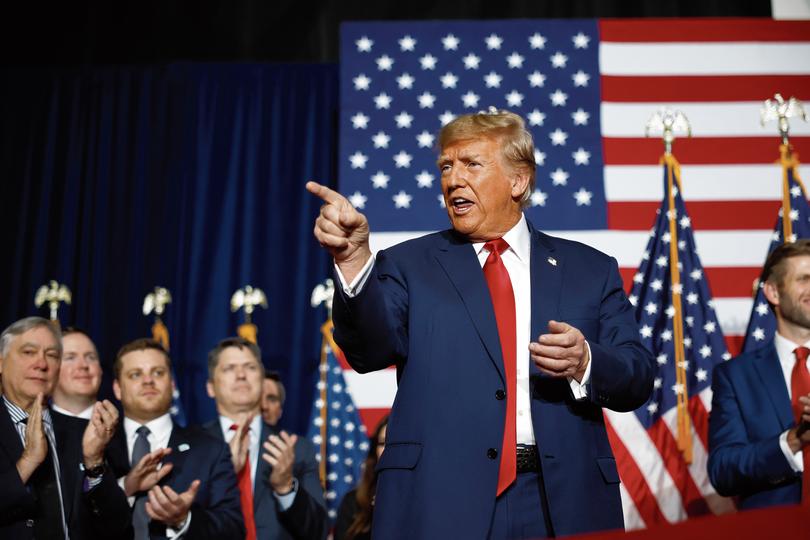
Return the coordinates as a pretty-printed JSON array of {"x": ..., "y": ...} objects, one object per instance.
[{"x": 324, "y": 193}]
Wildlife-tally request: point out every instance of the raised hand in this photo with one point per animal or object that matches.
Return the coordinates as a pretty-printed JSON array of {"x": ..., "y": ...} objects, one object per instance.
[
  {"x": 99, "y": 432},
  {"x": 342, "y": 230},
  {"x": 561, "y": 352},
  {"x": 240, "y": 443},
  {"x": 146, "y": 474},
  {"x": 36, "y": 443},
  {"x": 280, "y": 453},
  {"x": 170, "y": 507}
]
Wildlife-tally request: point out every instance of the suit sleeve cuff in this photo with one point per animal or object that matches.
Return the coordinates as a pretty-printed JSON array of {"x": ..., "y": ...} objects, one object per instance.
[
  {"x": 353, "y": 289},
  {"x": 580, "y": 388},
  {"x": 795, "y": 465}
]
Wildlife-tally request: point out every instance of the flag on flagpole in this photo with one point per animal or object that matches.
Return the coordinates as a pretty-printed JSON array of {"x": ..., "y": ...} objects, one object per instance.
[
  {"x": 336, "y": 429},
  {"x": 161, "y": 334},
  {"x": 762, "y": 323},
  {"x": 661, "y": 448}
]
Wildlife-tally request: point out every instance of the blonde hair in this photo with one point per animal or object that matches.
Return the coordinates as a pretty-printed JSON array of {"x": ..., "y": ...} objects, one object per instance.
[{"x": 517, "y": 146}]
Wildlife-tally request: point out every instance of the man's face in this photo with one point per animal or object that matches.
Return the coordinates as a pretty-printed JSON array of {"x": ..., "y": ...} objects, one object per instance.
[
  {"x": 145, "y": 385},
  {"x": 271, "y": 402},
  {"x": 80, "y": 374},
  {"x": 31, "y": 366},
  {"x": 237, "y": 381},
  {"x": 792, "y": 296},
  {"x": 482, "y": 193}
]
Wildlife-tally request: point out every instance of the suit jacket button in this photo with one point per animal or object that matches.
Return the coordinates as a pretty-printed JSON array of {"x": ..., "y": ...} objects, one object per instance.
[
  {"x": 500, "y": 394},
  {"x": 492, "y": 453}
]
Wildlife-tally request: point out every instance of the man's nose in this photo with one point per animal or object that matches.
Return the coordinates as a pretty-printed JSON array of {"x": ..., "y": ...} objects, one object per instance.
[
  {"x": 456, "y": 177},
  {"x": 41, "y": 362}
]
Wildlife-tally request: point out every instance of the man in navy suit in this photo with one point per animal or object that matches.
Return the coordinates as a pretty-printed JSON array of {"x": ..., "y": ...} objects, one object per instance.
[
  {"x": 759, "y": 441},
  {"x": 54, "y": 482},
  {"x": 180, "y": 481},
  {"x": 507, "y": 344},
  {"x": 278, "y": 476}
]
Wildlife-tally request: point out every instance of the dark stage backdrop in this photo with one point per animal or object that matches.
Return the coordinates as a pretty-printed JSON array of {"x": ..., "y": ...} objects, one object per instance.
[{"x": 189, "y": 176}]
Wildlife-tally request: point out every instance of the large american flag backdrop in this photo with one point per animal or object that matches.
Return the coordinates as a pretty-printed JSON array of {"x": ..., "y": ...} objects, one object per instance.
[{"x": 586, "y": 89}]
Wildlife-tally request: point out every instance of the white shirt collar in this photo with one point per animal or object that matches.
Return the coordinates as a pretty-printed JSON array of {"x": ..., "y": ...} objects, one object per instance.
[
  {"x": 517, "y": 237},
  {"x": 86, "y": 414},
  {"x": 225, "y": 424},
  {"x": 160, "y": 427}
]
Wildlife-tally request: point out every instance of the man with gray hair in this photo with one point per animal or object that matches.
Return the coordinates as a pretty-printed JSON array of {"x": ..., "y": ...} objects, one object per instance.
[
  {"x": 507, "y": 342},
  {"x": 54, "y": 482}
]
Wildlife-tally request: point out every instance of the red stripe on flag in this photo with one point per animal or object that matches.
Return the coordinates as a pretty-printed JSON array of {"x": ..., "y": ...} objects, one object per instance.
[
  {"x": 700, "y": 419},
  {"x": 633, "y": 480},
  {"x": 372, "y": 417},
  {"x": 705, "y": 215},
  {"x": 693, "y": 501},
  {"x": 700, "y": 151},
  {"x": 696, "y": 88},
  {"x": 734, "y": 344},
  {"x": 724, "y": 281},
  {"x": 708, "y": 29}
]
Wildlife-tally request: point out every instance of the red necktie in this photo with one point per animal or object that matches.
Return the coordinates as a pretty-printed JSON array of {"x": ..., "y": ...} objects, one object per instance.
[
  {"x": 246, "y": 493},
  {"x": 503, "y": 300},
  {"x": 800, "y": 386}
]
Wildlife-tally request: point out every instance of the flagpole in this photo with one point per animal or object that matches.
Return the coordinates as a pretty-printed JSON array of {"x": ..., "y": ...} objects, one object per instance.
[
  {"x": 682, "y": 396},
  {"x": 326, "y": 331}
]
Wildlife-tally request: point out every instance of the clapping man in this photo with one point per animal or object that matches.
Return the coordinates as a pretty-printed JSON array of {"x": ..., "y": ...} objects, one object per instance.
[{"x": 79, "y": 375}]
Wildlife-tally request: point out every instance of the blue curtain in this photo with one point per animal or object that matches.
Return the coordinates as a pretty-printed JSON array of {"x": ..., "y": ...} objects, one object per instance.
[{"x": 189, "y": 176}]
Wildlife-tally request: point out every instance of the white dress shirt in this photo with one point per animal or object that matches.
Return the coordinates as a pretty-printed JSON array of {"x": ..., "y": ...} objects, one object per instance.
[
  {"x": 86, "y": 414},
  {"x": 784, "y": 350},
  {"x": 517, "y": 260},
  {"x": 160, "y": 430}
]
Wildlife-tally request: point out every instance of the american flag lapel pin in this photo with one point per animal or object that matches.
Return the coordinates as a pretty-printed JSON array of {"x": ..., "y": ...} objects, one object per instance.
[
  {"x": 183, "y": 447},
  {"x": 552, "y": 261}
]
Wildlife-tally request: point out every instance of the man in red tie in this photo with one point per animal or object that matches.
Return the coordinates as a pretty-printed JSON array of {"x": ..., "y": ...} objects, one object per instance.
[
  {"x": 277, "y": 472},
  {"x": 759, "y": 428},
  {"x": 507, "y": 344}
]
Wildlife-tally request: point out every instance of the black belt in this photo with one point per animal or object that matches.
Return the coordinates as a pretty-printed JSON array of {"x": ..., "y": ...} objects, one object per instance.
[{"x": 527, "y": 459}]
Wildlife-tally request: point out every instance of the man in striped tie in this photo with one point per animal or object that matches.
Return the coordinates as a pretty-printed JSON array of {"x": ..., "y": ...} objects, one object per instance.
[
  {"x": 759, "y": 426},
  {"x": 507, "y": 344},
  {"x": 54, "y": 482}
]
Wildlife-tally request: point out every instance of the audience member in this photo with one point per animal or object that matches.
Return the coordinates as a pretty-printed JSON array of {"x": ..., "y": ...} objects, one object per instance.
[
  {"x": 273, "y": 395},
  {"x": 79, "y": 376}
]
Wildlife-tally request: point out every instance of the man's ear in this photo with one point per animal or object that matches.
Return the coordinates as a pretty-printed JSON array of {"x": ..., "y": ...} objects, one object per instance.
[
  {"x": 210, "y": 389},
  {"x": 771, "y": 292},
  {"x": 117, "y": 389},
  {"x": 520, "y": 183}
]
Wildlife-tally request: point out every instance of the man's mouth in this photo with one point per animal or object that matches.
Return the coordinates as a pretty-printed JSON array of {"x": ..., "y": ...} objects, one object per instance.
[{"x": 461, "y": 205}]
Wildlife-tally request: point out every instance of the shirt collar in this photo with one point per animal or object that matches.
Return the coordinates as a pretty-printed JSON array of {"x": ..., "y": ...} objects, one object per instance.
[
  {"x": 160, "y": 427},
  {"x": 18, "y": 414},
  {"x": 518, "y": 239},
  {"x": 225, "y": 424},
  {"x": 86, "y": 414}
]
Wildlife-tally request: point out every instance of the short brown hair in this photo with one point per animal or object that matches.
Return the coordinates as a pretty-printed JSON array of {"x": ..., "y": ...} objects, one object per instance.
[
  {"x": 775, "y": 268},
  {"x": 517, "y": 146},
  {"x": 141, "y": 344},
  {"x": 239, "y": 343}
]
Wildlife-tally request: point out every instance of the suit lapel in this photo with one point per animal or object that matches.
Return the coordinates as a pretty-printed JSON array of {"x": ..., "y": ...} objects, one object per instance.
[
  {"x": 546, "y": 271},
  {"x": 770, "y": 372},
  {"x": 9, "y": 438},
  {"x": 68, "y": 458},
  {"x": 460, "y": 263},
  {"x": 263, "y": 469}
]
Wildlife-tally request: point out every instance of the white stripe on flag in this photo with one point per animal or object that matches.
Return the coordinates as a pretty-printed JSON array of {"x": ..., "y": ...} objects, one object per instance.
[
  {"x": 632, "y": 519},
  {"x": 727, "y": 58}
]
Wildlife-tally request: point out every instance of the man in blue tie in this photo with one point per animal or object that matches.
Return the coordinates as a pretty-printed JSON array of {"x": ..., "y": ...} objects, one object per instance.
[
  {"x": 759, "y": 426},
  {"x": 507, "y": 344}
]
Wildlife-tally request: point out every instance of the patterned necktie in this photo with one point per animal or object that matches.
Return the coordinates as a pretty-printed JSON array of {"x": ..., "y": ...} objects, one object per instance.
[
  {"x": 800, "y": 386},
  {"x": 503, "y": 300},
  {"x": 140, "y": 519},
  {"x": 246, "y": 492}
]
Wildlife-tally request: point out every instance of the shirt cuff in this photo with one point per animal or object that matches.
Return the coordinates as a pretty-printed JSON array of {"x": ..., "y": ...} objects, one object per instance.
[
  {"x": 178, "y": 533},
  {"x": 353, "y": 289},
  {"x": 580, "y": 388},
  {"x": 796, "y": 465},
  {"x": 285, "y": 501},
  {"x": 130, "y": 499},
  {"x": 90, "y": 483}
]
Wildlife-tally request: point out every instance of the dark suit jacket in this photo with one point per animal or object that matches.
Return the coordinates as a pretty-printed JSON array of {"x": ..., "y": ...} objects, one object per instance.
[
  {"x": 102, "y": 512},
  {"x": 750, "y": 409},
  {"x": 306, "y": 518},
  {"x": 216, "y": 513},
  {"x": 426, "y": 307}
]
